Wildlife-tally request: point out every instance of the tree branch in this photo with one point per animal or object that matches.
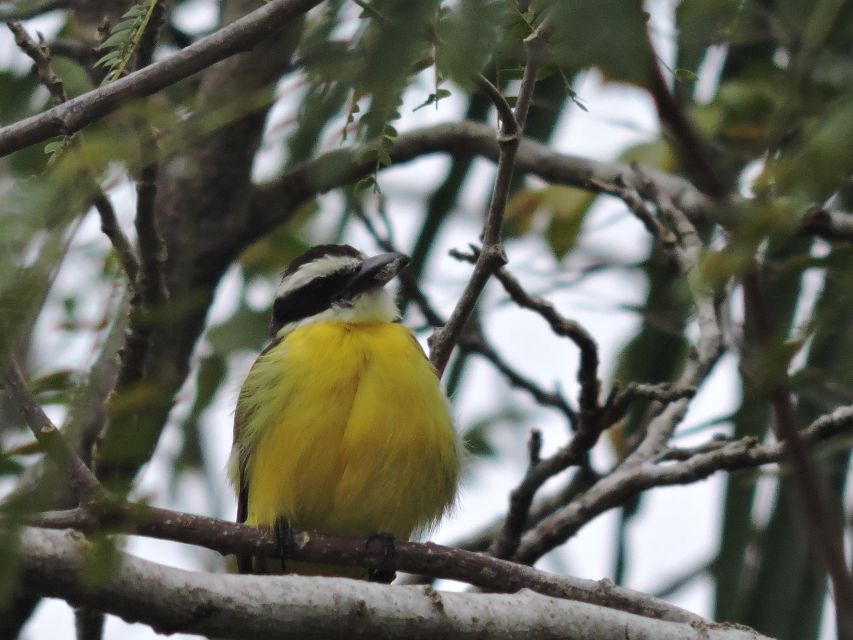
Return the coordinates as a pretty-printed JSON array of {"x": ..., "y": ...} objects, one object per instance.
[
  {"x": 73, "y": 115},
  {"x": 492, "y": 256},
  {"x": 111, "y": 228},
  {"x": 627, "y": 481},
  {"x": 825, "y": 525},
  {"x": 173, "y": 600},
  {"x": 423, "y": 559},
  {"x": 24, "y": 10},
  {"x": 613, "y": 489},
  {"x": 589, "y": 425},
  {"x": 687, "y": 254},
  {"x": 272, "y": 203},
  {"x": 49, "y": 437},
  {"x": 40, "y": 54},
  {"x": 475, "y": 343}
]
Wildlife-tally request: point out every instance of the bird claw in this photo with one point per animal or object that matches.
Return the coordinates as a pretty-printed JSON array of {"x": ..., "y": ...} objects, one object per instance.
[
  {"x": 284, "y": 540},
  {"x": 389, "y": 551}
]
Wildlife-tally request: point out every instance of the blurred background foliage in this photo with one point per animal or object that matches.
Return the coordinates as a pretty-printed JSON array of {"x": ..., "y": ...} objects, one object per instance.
[{"x": 768, "y": 83}]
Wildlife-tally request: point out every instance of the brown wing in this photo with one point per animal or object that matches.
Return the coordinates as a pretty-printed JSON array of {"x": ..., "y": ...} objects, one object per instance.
[{"x": 244, "y": 560}]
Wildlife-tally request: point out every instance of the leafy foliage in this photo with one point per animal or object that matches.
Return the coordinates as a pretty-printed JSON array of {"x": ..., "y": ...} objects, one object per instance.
[{"x": 123, "y": 39}]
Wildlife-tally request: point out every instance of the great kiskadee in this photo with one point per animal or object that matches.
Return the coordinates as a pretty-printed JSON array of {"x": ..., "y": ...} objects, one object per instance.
[{"x": 341, "y": 425}]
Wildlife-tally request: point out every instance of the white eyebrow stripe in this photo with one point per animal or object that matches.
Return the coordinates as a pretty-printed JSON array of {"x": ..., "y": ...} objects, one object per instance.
[{"x": 311, "y": 270}]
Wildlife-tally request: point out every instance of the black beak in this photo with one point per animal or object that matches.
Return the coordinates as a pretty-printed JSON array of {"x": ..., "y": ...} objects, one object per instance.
[{"x": 376, "y": 271}]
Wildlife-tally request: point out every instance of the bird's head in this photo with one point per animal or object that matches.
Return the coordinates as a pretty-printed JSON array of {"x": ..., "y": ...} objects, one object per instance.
[{"x": 336, "y": 282}]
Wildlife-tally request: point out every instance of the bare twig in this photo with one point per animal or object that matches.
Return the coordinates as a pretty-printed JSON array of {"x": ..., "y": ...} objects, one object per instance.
[
  {"x": 620, "y": 399},
  {"x": 632, "y": 475},
  {"x": 625, "y": 481},
  {"x": 561, "y": 326},
  {"x": 505, "y": 112},
  {"x": 89, "y": 107},
  {"x": 492, "y": 256},
  {"x": 588, "y": 423},
  {"x": 643, "y": 212},
  {"x": 40, "y": 54},
  {"x": 583, "y": 478},
  {"x": 686, "y": 254},
  {"x": 521, "y": 498},
  {"x": 110, "y": 226},
  {"x": 57, "y": 448},
  {"x": 475, "y": 343},
  {"x": 270, "y": 204}
]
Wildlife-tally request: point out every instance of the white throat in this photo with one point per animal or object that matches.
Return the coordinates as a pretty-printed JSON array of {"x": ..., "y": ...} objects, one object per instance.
[{"x": 375, "y": 305}]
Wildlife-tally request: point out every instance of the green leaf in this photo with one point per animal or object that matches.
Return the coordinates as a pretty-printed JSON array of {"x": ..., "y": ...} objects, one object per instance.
[
  {"x": 211, "y": 374},
  {"x": 53, "y": 147},
  {"x": 565, "y": 208},
  {"x": 137, "y": 10},
  {"x": 430, "y": 100},
  {"x": 125, "y": 25},
  {"x": 657, "y": 154},
  {"x": 608, "y": 34},
  {"x": 364, "y": 183},
  {"x": 110, "y": 58},
  {"x": 383, "y": 158},
  {"x": 246, "y": 329},
  {"x": 270, "y": 254},
  {"x": 8, "y": 466},
  {"x": 433, "y": 98},
  {"x": 115, "y": 39},
  {"x": 477, "y": 441}
]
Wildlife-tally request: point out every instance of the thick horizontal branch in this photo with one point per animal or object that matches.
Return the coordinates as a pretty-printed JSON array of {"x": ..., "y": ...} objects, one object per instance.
[
  {"x": 75, "y": 114},
  {"x": 425, "y": 559},
  {"x": 25, "y": 9},
  {"x": 272, "y": 203},
  {"x": 229, "y": 606}
]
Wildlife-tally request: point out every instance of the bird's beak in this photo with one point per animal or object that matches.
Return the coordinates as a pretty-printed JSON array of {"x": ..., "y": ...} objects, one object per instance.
[{"x": 376, "y": 271}]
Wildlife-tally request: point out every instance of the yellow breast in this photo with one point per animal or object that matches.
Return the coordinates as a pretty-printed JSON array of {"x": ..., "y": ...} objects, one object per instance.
[{"x": 348, "y": 431}]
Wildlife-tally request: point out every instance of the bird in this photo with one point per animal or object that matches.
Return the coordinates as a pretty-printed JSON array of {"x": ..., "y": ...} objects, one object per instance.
[{"x": 341, "y": 425}]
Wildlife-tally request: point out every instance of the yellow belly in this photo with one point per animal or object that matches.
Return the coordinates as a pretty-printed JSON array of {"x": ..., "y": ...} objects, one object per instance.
[{"x": 348, "y": 432}]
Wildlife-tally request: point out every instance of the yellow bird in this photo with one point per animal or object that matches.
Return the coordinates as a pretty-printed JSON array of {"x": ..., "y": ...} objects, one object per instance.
[{"x": 341, "y": 425}]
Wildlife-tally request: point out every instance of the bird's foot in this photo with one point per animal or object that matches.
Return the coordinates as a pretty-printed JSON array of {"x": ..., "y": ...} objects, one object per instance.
[
  {"x": 284, "y": 540},
  {"x": 389, "y": 551}
]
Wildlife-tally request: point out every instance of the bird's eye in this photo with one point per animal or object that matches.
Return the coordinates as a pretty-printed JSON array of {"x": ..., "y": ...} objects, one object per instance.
[{"x": 312, "y": 298}]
